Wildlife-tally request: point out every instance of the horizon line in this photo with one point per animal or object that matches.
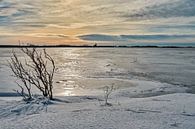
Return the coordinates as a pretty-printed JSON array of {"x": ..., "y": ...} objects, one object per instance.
[{"x": 95, "y": 46}]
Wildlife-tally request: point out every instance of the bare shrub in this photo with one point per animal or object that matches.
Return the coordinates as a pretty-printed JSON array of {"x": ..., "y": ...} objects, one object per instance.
[
  {"x": 107, "y": 92},
  {"x": 37, "y": 72}
]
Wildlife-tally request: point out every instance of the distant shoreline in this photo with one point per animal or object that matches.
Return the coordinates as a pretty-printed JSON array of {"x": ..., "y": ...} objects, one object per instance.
[{"x": 90, "y": 46}]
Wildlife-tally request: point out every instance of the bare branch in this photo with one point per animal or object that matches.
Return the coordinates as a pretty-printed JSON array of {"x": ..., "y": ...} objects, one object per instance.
[{"x": 36, "y": 72}]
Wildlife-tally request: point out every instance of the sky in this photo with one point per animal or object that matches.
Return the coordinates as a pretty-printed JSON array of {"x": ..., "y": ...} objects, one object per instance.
[{"x": 97, "y": 21}]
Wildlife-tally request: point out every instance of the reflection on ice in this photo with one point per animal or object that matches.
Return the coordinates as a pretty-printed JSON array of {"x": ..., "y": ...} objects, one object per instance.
[{"x": 68, "y": 92}]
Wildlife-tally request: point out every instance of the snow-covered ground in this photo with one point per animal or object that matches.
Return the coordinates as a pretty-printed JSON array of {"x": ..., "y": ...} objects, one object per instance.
[
  {"x": 172, "y": 111},
  {"x": 151, "y": 85}
]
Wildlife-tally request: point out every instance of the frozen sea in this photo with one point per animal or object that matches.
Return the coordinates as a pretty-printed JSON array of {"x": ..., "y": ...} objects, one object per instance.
[{"x": 84, "y": 71}]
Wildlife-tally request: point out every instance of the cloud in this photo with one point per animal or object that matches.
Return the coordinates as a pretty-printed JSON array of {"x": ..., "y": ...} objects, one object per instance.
[
  {"x": 102, "y": 37},
  {"x": 98, "y": 17},
  {"x": 64, "y": 12},
  {"x": 99, "y": 37},
  {"x": 181, "y": 8}
]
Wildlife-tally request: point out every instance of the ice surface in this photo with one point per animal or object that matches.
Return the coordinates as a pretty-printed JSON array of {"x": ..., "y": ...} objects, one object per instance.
[{"x": 84, "y": 71}]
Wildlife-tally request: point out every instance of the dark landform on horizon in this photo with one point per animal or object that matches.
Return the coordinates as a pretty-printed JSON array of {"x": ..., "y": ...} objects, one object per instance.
[{"x": 94, "y": 46}]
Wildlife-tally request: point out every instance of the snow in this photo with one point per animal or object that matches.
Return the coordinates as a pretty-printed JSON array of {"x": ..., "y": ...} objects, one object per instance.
[
  {"x": 151, "y": 86},
  {"x": 162, "y": 112}
]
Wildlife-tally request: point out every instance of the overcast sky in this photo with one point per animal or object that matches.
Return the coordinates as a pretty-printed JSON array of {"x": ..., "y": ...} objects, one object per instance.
[{"x": 82, "y": 21}]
